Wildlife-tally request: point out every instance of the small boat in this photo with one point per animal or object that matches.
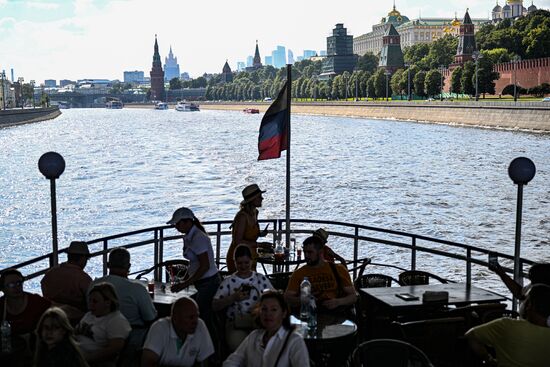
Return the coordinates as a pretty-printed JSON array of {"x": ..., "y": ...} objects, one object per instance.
[
  {"x": 251, "y": 110},
  {"x": 114, "y": 105},
  {"x": 184, "y": 106},
  {"x": 161, "y": 106}
]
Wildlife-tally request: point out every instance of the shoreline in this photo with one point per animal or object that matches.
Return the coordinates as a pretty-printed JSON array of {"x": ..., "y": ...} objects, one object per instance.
[
  {"x": 14, "y": 117},
  {"x": 529, "y": 118}
]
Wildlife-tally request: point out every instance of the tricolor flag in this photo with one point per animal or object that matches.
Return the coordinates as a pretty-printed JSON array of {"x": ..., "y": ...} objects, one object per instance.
[{"x": 273, "y": 137}]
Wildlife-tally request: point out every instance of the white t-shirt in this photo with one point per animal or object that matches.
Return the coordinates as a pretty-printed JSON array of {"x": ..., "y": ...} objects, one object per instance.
[
  {"x": 195, "y": 243},
  {"x": 134, "y": 299},
  {"x": 99, "y": 330},
  {"x": 258, "y": 283},
  {"x": 164, "y": 342},
  {"x": 251, "y": 353}
]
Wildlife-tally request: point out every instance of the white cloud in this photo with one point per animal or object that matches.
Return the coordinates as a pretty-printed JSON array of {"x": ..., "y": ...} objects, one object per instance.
[{"x": 41, "y": 5}]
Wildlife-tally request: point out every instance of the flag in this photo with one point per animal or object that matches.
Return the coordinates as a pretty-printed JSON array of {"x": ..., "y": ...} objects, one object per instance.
[{"x": 273, "y": 138}]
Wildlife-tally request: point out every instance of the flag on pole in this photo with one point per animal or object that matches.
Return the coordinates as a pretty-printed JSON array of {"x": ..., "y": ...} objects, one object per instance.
[{"x": 273, "y": 138}]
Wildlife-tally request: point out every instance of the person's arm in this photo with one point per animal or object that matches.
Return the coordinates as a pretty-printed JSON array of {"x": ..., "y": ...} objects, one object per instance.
[
  {"x": 349, "y": 299},
  {"x": 204, "y": 265},
  {"x": 479, "y": 349},
  {"x": 107, "y": 353},
  {"x": 219, "y": 304},
  {"x": 149, "y": 358},
  {"x": 510, "y": 283}
]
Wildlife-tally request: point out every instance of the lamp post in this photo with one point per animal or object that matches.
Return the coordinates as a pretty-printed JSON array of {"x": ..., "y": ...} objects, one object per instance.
[
  {"x": 521, "y": 171},
  {"x": 21, "y": 80},
  {"x": 356, "y": 86},
  {"x": 477, "y": 56},
  {"x": 52, "y": 165},
  {"x": 387, "y": 74},
  {"x": 517, "y": 59},
  {"x": 3, "y": 90},
  {"x": 32, "y": 85},
  {"x": 441, "y": 70},
  {"x": 408, "y": 66}
]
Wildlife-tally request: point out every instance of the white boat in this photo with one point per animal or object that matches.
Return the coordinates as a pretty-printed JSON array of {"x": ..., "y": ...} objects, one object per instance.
[
  {"x": 184, "y": 106},
  {"x": 161, "y": 106},
  {"x": 114, "y": 105}
]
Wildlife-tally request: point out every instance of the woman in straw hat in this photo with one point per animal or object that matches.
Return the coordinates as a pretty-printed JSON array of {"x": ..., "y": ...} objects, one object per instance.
[{"x": 245, "y": 228}]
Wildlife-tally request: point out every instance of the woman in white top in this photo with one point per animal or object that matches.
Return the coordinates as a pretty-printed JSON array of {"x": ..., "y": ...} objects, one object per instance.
[
  {"x": 103, "y": 330},
  {"x": 240, "y": 293},
  {"x": 275, "y": 344}
]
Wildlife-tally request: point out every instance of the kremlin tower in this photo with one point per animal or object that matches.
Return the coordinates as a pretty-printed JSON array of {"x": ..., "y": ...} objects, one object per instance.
[{"x": 157, "y": 76}]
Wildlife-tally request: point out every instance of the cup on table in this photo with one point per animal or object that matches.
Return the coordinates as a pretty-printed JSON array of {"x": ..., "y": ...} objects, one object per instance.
[{"x": 151, "y": 287}]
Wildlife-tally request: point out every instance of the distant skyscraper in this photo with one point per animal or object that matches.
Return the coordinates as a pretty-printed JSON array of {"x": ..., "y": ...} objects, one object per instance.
[
  {"x": 268, "y": 60},
  {"x": 279, "y": 57},
  {"x": 290, "y": 56},
  {"x": 240, "y": 66},
  {"x": 309, "y": 53},
  {"x": 322, "y": 53},
  {"x": 171, "y": 66},
  {"x": 50, "y": 83},
  {"x": 249, "y": 61},
  {"x": 65, "y": 82},
  {"x": 135, "y": 76},
  {"x": 340, "y": 56},
  {"x": 157, "y": 76},
  {"x": 185, "y": 76}
]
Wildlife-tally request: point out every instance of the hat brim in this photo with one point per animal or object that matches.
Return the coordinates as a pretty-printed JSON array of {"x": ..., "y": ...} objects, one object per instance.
[{"x": 246, "y": 201}]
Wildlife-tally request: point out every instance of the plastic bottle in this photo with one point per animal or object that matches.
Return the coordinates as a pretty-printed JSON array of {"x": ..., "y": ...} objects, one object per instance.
[
  {"x": 305, "y": 295},
  {"x": 312, "y": 320},
  {"x": 5, "y": 330}
]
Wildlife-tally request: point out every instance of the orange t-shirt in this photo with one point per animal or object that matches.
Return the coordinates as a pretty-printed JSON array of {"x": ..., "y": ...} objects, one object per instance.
[{"x": 323, "y": 284}]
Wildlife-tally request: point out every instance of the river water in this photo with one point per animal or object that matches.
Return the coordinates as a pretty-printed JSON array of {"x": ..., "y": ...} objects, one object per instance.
[{"x": 128, "y": 169}]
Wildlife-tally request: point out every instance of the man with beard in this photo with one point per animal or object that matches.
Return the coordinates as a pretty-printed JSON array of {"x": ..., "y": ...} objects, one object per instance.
[{"x": 330, "y": 283}]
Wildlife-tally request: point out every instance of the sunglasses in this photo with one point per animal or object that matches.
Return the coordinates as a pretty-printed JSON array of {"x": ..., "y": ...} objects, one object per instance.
[{"x": 17, "y": 283}]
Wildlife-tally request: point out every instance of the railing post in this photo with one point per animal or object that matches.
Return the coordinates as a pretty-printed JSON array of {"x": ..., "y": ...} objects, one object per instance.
[
  {"x": 105, "y": 248},
  {"x": 218, "y": 243},
  {"x": 413, "y": 254},
  {"x": 468, "y": 267},
  {"x": 156, "y": 256},
  {"x": 355, "y": 251}
]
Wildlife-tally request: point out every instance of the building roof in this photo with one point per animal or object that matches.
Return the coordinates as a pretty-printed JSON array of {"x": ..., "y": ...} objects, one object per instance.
[
  {"x": 226, "y": 68},
  {"x": 467, "y": 19}
]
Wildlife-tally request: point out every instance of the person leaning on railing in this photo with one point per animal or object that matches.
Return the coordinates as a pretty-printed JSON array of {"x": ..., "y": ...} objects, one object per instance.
[{"x": 245, "y": 229}]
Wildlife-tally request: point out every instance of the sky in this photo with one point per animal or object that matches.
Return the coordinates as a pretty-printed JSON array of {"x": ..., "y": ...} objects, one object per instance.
[{"x": 78, "y": 39}]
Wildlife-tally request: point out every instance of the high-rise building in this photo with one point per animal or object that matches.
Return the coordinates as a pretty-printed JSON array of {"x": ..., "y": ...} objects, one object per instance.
[
  {"x": 323, "y": 53},
  {"x": 185, "y": 76},
  {"x": 135, "y": 76},
  {"x": 249, "y": 61},
  {"x": 279, "y": 57},
  {"x": 50, "y": 83},
  {"x": 290, "y": 56},
  {"x": 171, "y": 66},
  {"x": 157, "y": 76},
  {"x": 340, "y": 56},
  {"x": 268, "y": 60},
  {"x": 65, "y": 82},
  {"x": 240, "y": 66},
  {"x": 309, "y": 53}
]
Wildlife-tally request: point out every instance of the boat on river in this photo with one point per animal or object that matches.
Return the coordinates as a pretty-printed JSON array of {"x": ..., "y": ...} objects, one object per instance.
[
  {"x": 251, "y": 110},
  {"x": 114, "y": 105},
  {"x": 161, "y": 106},
  {"x": 184, "y": 106}
]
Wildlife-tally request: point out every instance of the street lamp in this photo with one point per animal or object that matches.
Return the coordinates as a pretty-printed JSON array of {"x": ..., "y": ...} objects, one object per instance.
[
  {"x": 441, "y": 70},
  {"x": 32, "y": 85},
  {"x": 477, "y": 56},
  {"x": 517, "y": 59},
  {"x": 521, "y": 171},
  {"x": 387, "y": 74},
  {"x": 408, "y": 66},
  {"x": 3, "y": 90},
  {"x": 52, "y": 165}
]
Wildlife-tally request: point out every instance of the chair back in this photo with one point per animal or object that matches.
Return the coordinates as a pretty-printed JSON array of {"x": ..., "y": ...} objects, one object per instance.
[
  {"x": 374, "y": 281},
  {"x": 474, "y": 314},
  {"x": 389, "y": 353},
  {"x": 279, "y": 280},
  {"x": 497, "y": 314},
  {"x": 174, "y": 269},
  {"x": 418, "y": 277}
]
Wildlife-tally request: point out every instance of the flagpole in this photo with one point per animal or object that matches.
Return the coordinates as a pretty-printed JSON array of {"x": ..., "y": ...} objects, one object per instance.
[{"x": 289, "y": 97}]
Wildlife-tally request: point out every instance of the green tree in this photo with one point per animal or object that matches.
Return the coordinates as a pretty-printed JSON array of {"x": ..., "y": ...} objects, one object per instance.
[
  {"x": 486, "y": 76},
  {"x": 175, "y": 83},
  {"x": 442, "y": 52},
  {"x": 418, "y": 82},
  {"x": 414, "y": 54},
  {"x": 381, "y": 84},
  {"x": 456, "y": 76},
  {"x": 397, "y": 85},
  {"x": 367, "y": 62},
  {"x": 432, "y": 83},
  {"x": 499, "y": 55},
  {"x": 467, "y": 81},
  {"x": 371, "y": 87}
]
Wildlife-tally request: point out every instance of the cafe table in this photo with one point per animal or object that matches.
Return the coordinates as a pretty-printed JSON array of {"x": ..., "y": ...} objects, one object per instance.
[
  {"x": 278, "y": 266},
  {"x": 332, "y": 342},
  {"x": 163, "y": 297}
]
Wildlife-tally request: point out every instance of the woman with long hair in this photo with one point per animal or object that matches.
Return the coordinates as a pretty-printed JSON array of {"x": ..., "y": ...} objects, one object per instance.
[
  {"x": 245, "y": 229},
  {"x": 197, "y": 248},
  {"x": 275, "y": 343},
  {"x": 239, "y": 294},
  {"x": 102, "y": 332},
  {"x": 55, "y": 342}
]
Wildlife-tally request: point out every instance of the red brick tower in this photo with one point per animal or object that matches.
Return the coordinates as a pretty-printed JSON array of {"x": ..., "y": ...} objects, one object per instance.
[{"x": 157, "y": 76}]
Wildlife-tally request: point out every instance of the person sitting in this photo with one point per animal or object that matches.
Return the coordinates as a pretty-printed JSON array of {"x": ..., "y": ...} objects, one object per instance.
[
  {"x": 245, "y": 229},
  {"x": 517, "y": 342},
  {"x": 67, "y": 284},
  {"x": 21, "y": 309},
  {"x": 134, "y": 299},
  {"x": 179, "y": 340},
  {"x": 102, "y": 332},
  {"x": 56, "y": 345},
  {"x": 276, "y": 343},
  {"x": 328, "y": 254},
  {"x": 330, "y": 283},
  {"x": 239, "y": 293}
]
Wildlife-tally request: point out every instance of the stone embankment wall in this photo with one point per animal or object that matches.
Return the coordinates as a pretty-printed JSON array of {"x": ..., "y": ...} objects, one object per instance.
[
  {"x": 24, "y": 116},
  {"x": 533, "y": 118}
]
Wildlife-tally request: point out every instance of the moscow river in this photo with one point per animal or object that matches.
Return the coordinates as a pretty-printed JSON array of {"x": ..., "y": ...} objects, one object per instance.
[{"x": 129, "y": 169}]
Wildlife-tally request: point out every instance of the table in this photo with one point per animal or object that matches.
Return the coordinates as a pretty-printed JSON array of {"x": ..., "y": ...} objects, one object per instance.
[
  {"x": 333, "y": 341},
  {"x": 279, "y": 266},
  {"x": 163, "y": 297}
]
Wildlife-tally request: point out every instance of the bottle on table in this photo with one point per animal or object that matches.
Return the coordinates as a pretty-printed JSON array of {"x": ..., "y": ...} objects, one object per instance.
[
  {"x": 5, "y": 330},
  {"x": 305, "y": 295},
  {"x": 312, "y": 320}
]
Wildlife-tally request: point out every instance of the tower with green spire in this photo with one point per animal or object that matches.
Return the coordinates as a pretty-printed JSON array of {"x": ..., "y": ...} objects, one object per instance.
[
  {"x": 257, "y": 63},
  {"x": 391, "y": 56},
  {"x": 157, "y": 76},
  {"x": 466, "y": 42}
]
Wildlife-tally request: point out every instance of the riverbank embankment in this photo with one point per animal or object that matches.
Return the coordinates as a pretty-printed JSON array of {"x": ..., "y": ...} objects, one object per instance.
[
  {"x": 25, "y": 116},
  {"x": 478, "y": 114}
]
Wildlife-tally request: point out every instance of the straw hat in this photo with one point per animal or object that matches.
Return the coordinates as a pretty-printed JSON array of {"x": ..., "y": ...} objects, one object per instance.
[
  {"x": 321, "y": 234},
  {"x": 250, "y": 193}
]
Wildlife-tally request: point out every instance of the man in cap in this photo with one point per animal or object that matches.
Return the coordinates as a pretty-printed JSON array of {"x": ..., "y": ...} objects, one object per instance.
[
  {"x": 134, "y": 300},
  {"x": 66, "y": 285},
  {"x": 327, "y": 253},
  {"x": 179, "y": 340}
]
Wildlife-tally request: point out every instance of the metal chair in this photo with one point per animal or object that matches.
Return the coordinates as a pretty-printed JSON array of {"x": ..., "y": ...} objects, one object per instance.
[
  {"x": 279, "y": 280},
  {"x": 497, "y": 314},
  {"x": 174, "y": 269},
  {"x": 374, "y": 281},
  {"x": 389, "y": 353},
  {"x": 418, "y": 277}
]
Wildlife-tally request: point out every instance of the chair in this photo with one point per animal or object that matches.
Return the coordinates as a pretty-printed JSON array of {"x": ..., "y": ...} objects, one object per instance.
[
  {"x": 389, "y": 353},
  {"x": 374, "y": 281},
  {"x": 474, "y": 314},
  {"x": 418, "y": 277},
  {"x": 279, "y": 280},
  {"x": 497, "y": 314},
  {"x": 441, "y": 339},
  {"x": 174, "y": 269}
]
